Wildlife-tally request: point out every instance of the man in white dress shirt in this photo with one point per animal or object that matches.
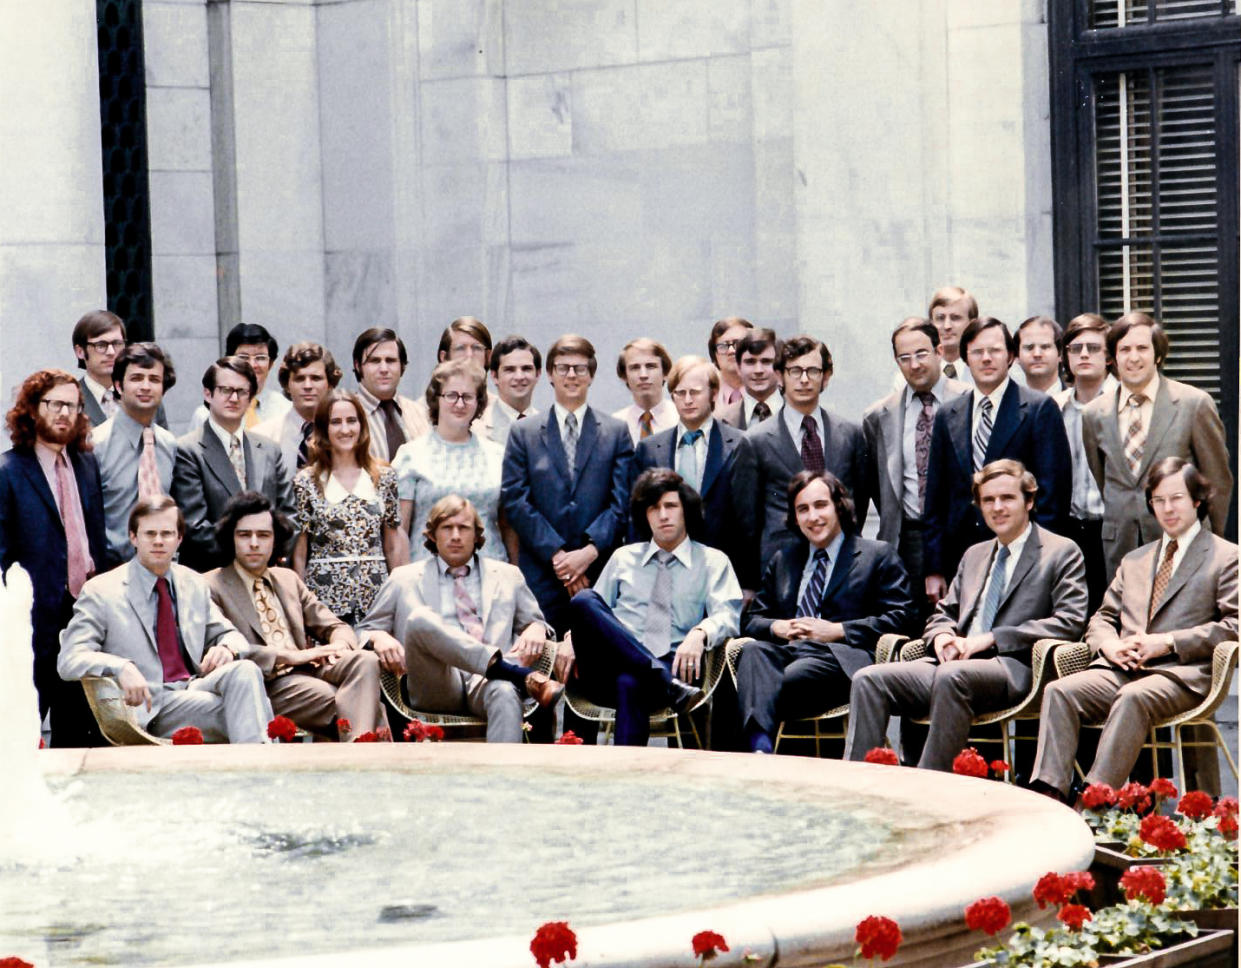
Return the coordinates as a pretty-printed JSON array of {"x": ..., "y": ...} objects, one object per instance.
[
  {"x": 256, "y": 346},
  {"x": 515, "y": 368},
  {"x": 1040, "y": 343},
  {"x": 307, "y": 374},
  {"x": 379, "y": 362},
  {"x": 757, "y": 353},
  {"x": 643, "y": 367}
]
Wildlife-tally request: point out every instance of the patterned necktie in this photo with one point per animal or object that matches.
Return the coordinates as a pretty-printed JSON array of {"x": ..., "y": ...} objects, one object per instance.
[
  {"x": 657, "y": 634},
  {"x": 570, "y": 444},
  {"x": 303, "y": 447},
  {"x": 271, "y": 619},
  {"x": 394, "y": 431},
  {"x": 467, "y": 610},
  {"x": 237, "y": 459},
  {"x": 166, "y": 640},
  {"x": 811, "y": 446},
  {"x": 1162, "y": 577},
  {"x": 812, "y": 599},
  {"x": 1135, "y": 435},
  {"x": 148, "y": 470},
  {"x": 687, "y": 457},
  {"x": 922, "y": 441},
  {"x": 646, "y": 425},
  {"x": 995, "y": 590},
  {"x": 983, "y": 434},
  {"x": 950, "y": 371},
  {"x": 80, "y": 564},
  {"x": 107, "y": 403},
  {"x": 761, "y": 412}
]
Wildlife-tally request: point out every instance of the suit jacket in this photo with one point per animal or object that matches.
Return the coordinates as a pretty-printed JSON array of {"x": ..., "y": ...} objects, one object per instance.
[
  {"x": 778, "y": 459},
  {"x": 306, "y": 616},
  {"x": 728, "y": 490},
  {"x": 286, "y": 432},
  {"x": 95, "y": 414},
  {"x": 1027, "y": 427},
  {"x": 1044, "y": 598},
  {"x": 868, "y": 593},
  {"x": 32, "y": 534},
  {"x": 113, "y": 623},
  {"x": 1199, "y": 607},
  {"x": 733, "y": 413},
  {"x": 883, "y": 427},
  {"x": 1184, "y": 423},
  {"x": 203, "y": 480},
  {"x": 550, "y": 511},
  {"x": 495, "y": 423}
]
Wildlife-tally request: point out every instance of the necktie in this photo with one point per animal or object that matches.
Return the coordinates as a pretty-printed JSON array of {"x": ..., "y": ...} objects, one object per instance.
[
  {"x": 1135, "y": 436},
  {"x": 657, "y": 635},
  {"x": 922, "y": 441},
  {"x": 303, "y": 448},
  {"x": 394, "y": 431},
  {"x": 646, "y": 425},
  {"x": 166, "y": 640},
  {"x": 252, "y": 414},
  {"x": 148, "y": 470},
  {"x": 995, "y": 590},
  {"x": 983, "y": 434},
  {"x": 237, "y": 459},
  {"x": 522, "y": 415},
  {"x": 687, "y": 456},
  {"x": 570, "y": 444},
  {"x": 271, "y": 618},
  {"x": 813, "y": 596},
  {"x": 811, "y": 446},
  {"x": 107, "y": 403},
  {"x": 1162, "y": 576},
  {"x": 467, "y": 610},
  {"x": 950, "y": 371},
  {"x": 80, "y": 564},
  {"x": 761, "y": 411}
]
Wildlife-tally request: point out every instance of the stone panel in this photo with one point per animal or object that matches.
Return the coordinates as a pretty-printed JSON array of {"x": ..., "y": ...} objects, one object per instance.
[
  {"x": 770, "y": 23},
  {"x": 178, "y": 129},
  {"x": 672, "y": 31},
  {"x": 729, "y": 103},
  {"x": 182, "y": 218},
  {"x": 359, "y": 295},
  {"x": 191, "y": 357},
  {"x": 652, "y": 105},
  {"x": 569, "y": 34},
  {"x": 460, "y": 38},
  {"x": 540, "y": 116},
  {"x": 183, "y": 289},
  {"x": 463, "y": 120},
  {"x": 174, "y": 37},
  {"x": 463, "y": 204},
  {"x": 284, "y": 292}
]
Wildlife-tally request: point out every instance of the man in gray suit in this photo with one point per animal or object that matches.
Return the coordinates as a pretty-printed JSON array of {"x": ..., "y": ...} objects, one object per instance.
[
  {"x": 465, "y": 628},
  {"x": 1149, "y": 417},
  {"x": 897, "y": 430},
  {"x": 756, "y": 354},
  {"x": 515, "y": 368},
  {"x": 220, "y": 458},
  {"x": 1024, "y": 585},
  {"x": 1171, "y": 602},
  {"x": 152, "y": 625}
]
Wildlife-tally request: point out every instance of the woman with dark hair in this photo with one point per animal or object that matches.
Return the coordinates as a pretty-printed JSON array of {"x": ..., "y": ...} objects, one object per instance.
[
  {"x": 452, "y": 459},
  {"x": 347, "y": 512}
]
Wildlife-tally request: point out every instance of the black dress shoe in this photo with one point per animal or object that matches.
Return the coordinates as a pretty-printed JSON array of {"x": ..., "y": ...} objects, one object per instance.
[{"x": 682, "y": 696}]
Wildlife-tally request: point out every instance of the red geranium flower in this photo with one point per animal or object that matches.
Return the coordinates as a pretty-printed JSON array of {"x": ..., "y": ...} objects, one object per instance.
[
  {"x": 1195, "y": 805},
  {"x": 999, "y": 767},
  {"x": 1161, "y": 833},
  {"x": 1226, "y": 805},
  {"x": 878, "y": 936},
  {"x": 1227, "y": 825},
  {"x": 1056, "y": 889},
  {"x": 1161, "y": 786},
  {"x": 1074, "y": 916},
  {"x": 282, "y": 728},
  {"x": 569, "y": 738},
  {"x": 989, "y": 914},
  {"x": 969, "y": 763},
  {"x": 883, "y": 755},
  {"x": 553, "y": 941},
  {"x": 707, "y": 944},
  {"x": 434, "y": 733},
  {"x": 415, "y": 731},
  {"x": 1133, "y": 796},
  {"x": 1144, "y": 882},
  {"x": 187, "y": 736},
  {"x": 1097, "y": 796},
  {"x": 343, "y": 727},
  {"x": 14, "y": 963},
  {"x": 384, "y": 734},
  {"x": 370, "y": 736}
]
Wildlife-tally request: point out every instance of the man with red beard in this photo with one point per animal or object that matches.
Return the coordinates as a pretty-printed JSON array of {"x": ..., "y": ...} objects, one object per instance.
[{"x": 52, "y": 524}]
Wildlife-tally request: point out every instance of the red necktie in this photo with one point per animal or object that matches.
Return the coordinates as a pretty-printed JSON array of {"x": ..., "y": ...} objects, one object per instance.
[
  {"x": 80, "y": 564},
  {"x": 166, "y": 635}
]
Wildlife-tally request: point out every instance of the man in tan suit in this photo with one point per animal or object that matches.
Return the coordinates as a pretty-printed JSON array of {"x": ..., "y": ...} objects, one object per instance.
[
  {"x": 1170, "y": 604},
  {"x": 313, "y": 685},
  {"x": 469, "y": 627},
  {"x": 1024, "y": 585},
  {"x": 1149, "y": 417}
]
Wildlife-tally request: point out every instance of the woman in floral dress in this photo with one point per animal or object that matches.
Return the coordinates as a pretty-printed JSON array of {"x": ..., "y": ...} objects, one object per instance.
[{"x": 347, "y": 512}]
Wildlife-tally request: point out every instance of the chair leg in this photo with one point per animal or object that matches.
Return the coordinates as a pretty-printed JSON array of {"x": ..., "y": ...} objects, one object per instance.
[
  {"x": 694, "y": 729},
  {"x": 779, "y": 736},
  {"x": 1178, "y": 744}
]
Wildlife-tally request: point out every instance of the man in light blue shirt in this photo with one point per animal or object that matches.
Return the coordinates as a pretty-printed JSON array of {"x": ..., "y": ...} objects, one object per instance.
[{"x": 640, "y": 634}]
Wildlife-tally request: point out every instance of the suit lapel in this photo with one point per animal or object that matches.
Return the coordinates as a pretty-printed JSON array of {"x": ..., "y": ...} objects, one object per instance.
[
  {"x": 840, "y": 568},
  {"x": 664, "y": 446},
  {"x": 585, "y": 445},
  {"x": 1163, "y": 413},
  {"x": 551, "y": 440},
  {"x": 292, "y": 606},
  {"x": 254, "y": 463},
  {"x": 786, "y": 449},
  {"x": 33, "y": 471},
  {"x": 240, "y": 602},
  {"x": 1011, "y": 413},
  {"x": 1195, "y": 558},
  {"x": 430, "y": 583},
  {"x": 1030, "y": 554},
  {"x": 216, "y": 459},
  {"x": 972, "y": 584},
  {"x": 487, "y": 579},
  {"x": 94, "y": 412},
  {"x": 139, "y": 604},
  {"x": 797, "y": 565},
  {"x": 1112, "y": 444},
  {"x": 959, "y": 417},
  {"x": 715, "y": 456}
]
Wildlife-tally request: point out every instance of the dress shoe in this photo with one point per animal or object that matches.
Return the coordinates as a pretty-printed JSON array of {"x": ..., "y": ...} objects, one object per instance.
[
  {"x": 682, "y": 696},
  {"x": 543, "y": 690}
]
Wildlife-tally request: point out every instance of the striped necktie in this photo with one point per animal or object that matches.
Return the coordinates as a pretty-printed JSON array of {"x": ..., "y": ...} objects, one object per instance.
[
  {"x": 812, "y": 600},
  {"x": 995, "y": 590},
  {"x": 983, "y": 434}
]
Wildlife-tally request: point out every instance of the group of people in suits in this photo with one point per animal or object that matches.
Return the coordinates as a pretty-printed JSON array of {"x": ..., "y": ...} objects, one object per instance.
[{"x": 1011, "y": 474}]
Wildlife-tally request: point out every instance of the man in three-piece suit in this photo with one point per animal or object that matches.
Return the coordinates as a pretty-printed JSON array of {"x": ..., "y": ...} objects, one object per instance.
[
  {"x": 1147, "y": 418},
  {"x": 756, "y": 354},
  {"x": 152, "y": 625},
  {"x": 998, "y": 420},
  {"x": 466, "y": 628},
  {"x": 220, "y": 458},
  {"x": 315, "y": 682},
  {"x": 805, "y": 436},
  {"x": 51, "y": 523},
  {"x": 98, "y": 338},
  {"x": 897, "y": 430},
  {"x": 714, "y": 459},
  {"x": 1023, "y": 585},
  {"x": 823, "y": 605},
  {"x": 1171, "y": 602}
]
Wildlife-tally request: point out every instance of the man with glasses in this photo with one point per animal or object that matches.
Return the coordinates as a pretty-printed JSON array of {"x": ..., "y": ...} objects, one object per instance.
[
  {"x": 722, "y": 349},
  {"x": 51, "y": 523},
  {"x": 756, "y": 354},
  {"x": 256, "y": 346},
  {"x": 806, "y": 436},
  {"x": 999, "y": 419},
  {"x": 98, "y": 338},
  {"x": 219, "y": 459}
]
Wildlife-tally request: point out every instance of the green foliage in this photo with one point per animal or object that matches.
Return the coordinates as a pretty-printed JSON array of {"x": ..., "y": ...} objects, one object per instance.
[{"x": 1204, "y": 878}]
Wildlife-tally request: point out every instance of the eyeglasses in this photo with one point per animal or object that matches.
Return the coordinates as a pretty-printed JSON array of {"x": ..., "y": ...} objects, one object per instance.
[
  {"x": 982, "y": 352},
  {"x": 61, "y": 406},
  {"x": 454, "y": 398},
  {"x": 727, "y": 346},
  {"x": 688, "y": 393},
  {"x": 106, "y": 345},
  {"x": 809, "y": 372},
  {"x": 260, "y": 359},
  {"x": 233, "y": 393},
  {"x": 921, "y": 356},
  {"x": 1083, "y": 349},
  {"x": 463, "y": 350},
  {"x": 564, "y": 369}
]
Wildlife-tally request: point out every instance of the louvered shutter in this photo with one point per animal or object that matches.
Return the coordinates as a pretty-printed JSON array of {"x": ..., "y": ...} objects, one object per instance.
[{"x": 1105, "y": 14}]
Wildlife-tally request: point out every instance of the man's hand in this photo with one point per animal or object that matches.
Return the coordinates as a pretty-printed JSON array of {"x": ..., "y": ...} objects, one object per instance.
[
  {"x": 948, "y": 647},
  {"x": 1122, "y": 653},
  {"x": 687, "y": 663},
  {"x": 389, "y": 651},
  {"x": 133, "y": 686},
  {"x": 311, "y": 656},
  {"x": 936, "y": 588},
  {"x": 528, "y": 648},
  {"x": 565, "y": 657},
  {"x": 217, "y": 655},
  {"x": 572, "y": 565},
  {"x": 972, "y": 645},
  {"x": 783, "y": 628},
  {"x": 579, "y": 584},
  {"x": 1150, "y": 647},
  {"x": 817, "y": 629}
]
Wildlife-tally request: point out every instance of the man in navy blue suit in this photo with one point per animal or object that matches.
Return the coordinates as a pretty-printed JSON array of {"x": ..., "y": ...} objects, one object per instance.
[
  {"x": 51, "y": 523},
  {"x": 1000, "y": 419}
]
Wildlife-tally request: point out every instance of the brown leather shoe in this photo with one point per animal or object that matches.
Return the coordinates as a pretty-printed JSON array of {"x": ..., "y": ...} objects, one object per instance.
[{"x": 543, "y": 690}]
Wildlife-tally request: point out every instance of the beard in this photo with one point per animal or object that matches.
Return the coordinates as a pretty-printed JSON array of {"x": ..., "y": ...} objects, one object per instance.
[{"x": 53, "y": 435}]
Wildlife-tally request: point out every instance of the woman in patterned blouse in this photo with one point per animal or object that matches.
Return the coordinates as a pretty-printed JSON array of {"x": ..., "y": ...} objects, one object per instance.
[{"x": 347, "y": 512}]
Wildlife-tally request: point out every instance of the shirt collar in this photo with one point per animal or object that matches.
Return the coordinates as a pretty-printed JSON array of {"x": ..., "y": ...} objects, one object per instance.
[
  {"x": 1149, "y": 390},
  {"x": 1183, "y": 541},
  {"x": 249, "y": 579},
  {"x": 47, "y": 455},
  {"x": 682, "y": 552},
  {"x": 995, "y": 396},
  {"x": 146, "y": 579},
  {"x": 936, "y": 391},
  {"x": 792, "y": 418},
  {"x": 225, "y": 437},
  {"x": 1018, "y": 543},
  {"x": 832, "y": 547},
  {"x": 371, "y": 402},
  {"x": 445, "y": 569},
  {"x": 132, "y": 430},
  {"x": 96, "y": 389},
  {"x": 562, "y": 414},
  {"x": 682, "y": 430},
  {"x": 512, "y": 412}
]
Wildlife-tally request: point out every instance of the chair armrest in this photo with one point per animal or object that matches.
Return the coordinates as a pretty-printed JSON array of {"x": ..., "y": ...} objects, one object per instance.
[
  {"x": 1067, "y": 657},
  {"x": 888, "y": 648},
  {"x": 115, "y": 717},
  {"x": 913, "y": 649},
  {"x": 732, "y": 653}
]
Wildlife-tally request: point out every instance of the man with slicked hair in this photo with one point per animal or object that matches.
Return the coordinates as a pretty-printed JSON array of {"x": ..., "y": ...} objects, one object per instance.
[
  {"x": 756, "y": 355},
  {"x": 98, "y": 338},
  {"x": 722, "y": 351},
  {"x": 643, "y": 367},
  {"x": 379, "y": 362}
]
